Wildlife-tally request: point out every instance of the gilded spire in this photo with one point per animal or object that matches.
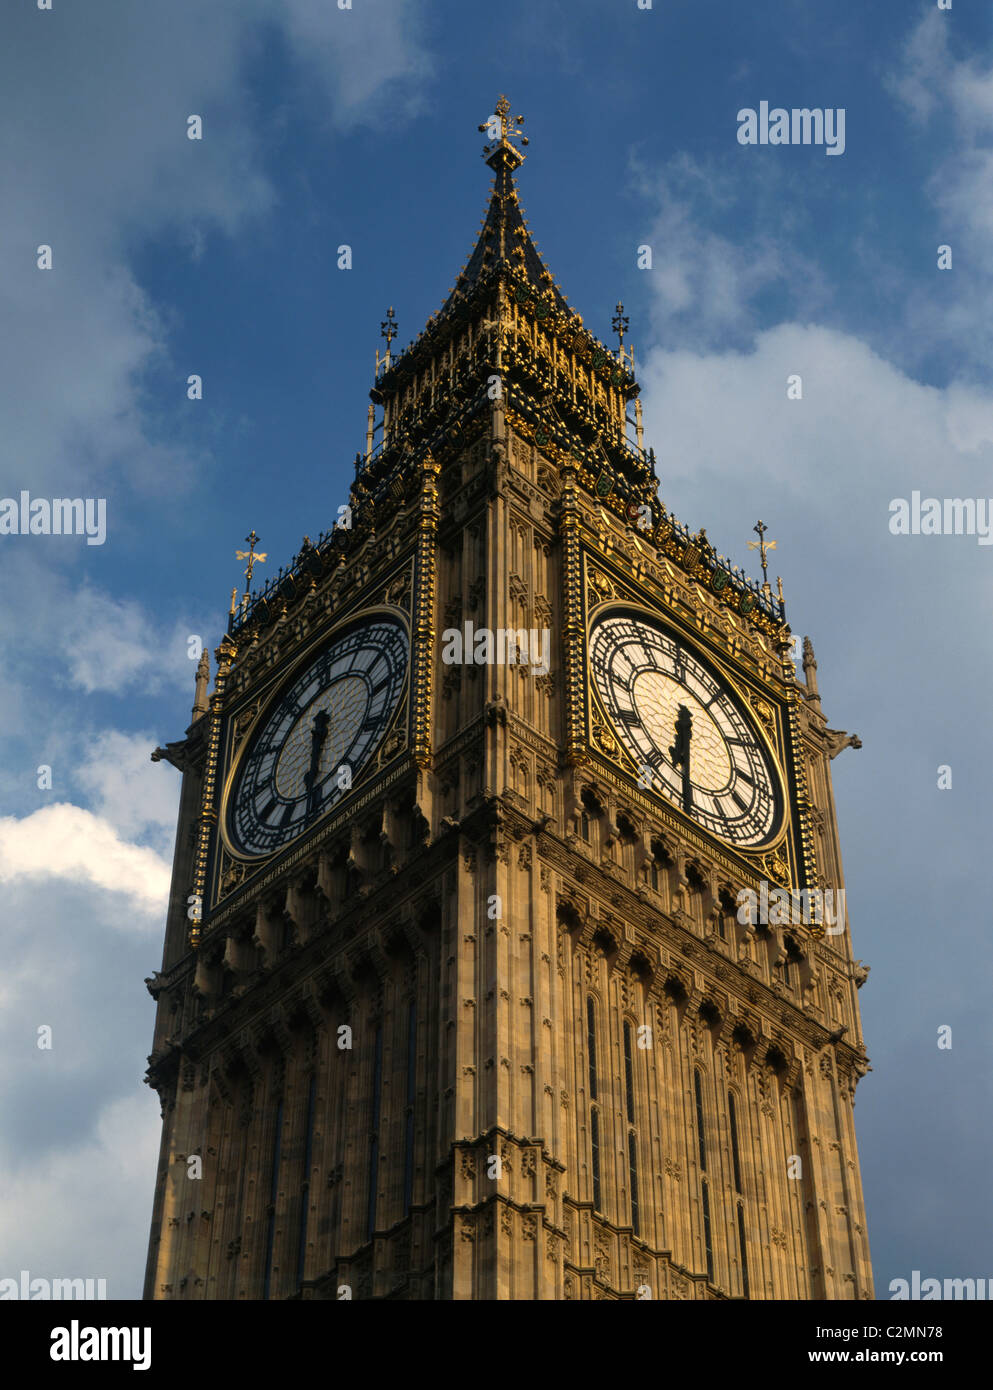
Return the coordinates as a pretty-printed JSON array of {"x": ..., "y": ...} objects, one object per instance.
[{"x": 503, "y": 129}]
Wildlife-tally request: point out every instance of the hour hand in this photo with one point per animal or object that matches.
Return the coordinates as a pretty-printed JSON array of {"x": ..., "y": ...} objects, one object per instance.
[
  {"x": 680, "y": 752},
  {"x": 318, "y": 738}
]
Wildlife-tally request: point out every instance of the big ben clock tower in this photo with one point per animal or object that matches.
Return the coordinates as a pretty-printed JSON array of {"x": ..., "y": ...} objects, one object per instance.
[{"x": 495, "y": 963}]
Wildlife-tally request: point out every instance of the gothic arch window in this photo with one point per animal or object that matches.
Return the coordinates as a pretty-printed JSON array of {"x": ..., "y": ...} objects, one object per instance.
[
  {"x": 792, "y": 963},
  {"x": 728, "y": 915},
  {"x": 696, "y": 889},
  {"x": 658, "y": 869},
  {"x": 590, "y": 811}
]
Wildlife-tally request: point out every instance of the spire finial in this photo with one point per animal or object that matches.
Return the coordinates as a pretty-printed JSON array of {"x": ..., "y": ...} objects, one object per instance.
[
  {"x": 388, "y": 329},
  {"x": 620, "y": 325},
  {"x": 201, "y": 703},
  {"x": 502, "y": 129}
]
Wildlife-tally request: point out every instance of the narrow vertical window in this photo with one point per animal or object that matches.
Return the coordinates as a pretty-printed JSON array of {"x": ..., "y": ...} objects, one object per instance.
[
  {"x": 704, "y": 1190},
  {"x": 633, "y": 1181},
  {"x": 707, "y": 1245},
  {"x": 735, "y": 1159},
  {"x": 584, "y": 826},
  {"x": 277, "y": 1147},
  {"x": 744, "y": 1249},
  {"x": 595, "y": 1146},
  {"x": 632, "y": 1133},
  {"x": 736, "y": 1168},
  {"x": 308, "y": 1153},
  {"x": 377, "y": 1081},
  {"x": 408, "y": 1143},
  {"x": 594, "y": 1113},
  {"x": 591, "y": 1044},
  {"x": 699, "y": 1122},
  {"x": 628, "y": 1073}
]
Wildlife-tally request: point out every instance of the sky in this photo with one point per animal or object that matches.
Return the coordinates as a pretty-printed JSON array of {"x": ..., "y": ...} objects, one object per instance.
[{"x": 218, "y": 257}]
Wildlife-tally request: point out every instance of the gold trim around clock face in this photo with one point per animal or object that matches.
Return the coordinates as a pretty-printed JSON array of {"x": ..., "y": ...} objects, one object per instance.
[
  {"x": 722, "y": 771},
  {"x": 335, "y": 697}
]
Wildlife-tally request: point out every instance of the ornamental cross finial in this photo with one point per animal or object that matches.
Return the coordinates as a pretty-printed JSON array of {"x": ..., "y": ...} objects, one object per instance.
[
  {"x": 389, "y": 328},
  {"x": 502, "y": 129},
  {"x": 620, "y": 325},
  {"x": 763, "y": 547},
  {"x": 253, "y": 557}
]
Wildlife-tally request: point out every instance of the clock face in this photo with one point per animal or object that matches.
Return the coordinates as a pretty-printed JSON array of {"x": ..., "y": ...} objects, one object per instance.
[
  {"x": 685, "y": 729},
  {"x": 314, "y": 741}
]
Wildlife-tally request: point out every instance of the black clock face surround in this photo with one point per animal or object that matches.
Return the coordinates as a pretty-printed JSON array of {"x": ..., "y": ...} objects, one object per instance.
[
  {"x": 317, "y": 735},
  {"x": 685, "y": 728}
]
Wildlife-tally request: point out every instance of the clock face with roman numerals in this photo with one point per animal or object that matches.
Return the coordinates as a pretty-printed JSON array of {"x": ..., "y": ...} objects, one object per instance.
[
  {"x": 686, "y": 730},
  {"x": 314, "y": 741}
]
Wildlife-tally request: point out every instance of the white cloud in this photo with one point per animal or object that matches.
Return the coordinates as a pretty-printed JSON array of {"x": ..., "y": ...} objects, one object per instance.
[
  {"x": 704, "y": 283},
  {"x": 125, "y": 788},
  {"x": 84, "y": 1210},
  {"x": 110, "y": 644},
  {"x": 952, "y": 99},
  {"x": 65, "y": 841},
  {"x": 337, "y": 45}
]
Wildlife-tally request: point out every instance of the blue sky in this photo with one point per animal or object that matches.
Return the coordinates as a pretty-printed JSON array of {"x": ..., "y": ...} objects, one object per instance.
[{"x": 219, "y": 257}]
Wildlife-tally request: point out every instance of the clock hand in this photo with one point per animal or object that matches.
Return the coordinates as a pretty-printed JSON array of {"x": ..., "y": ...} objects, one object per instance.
[
  {"x": 317, "y": 740},
  {"x": 680, "y": 753}
]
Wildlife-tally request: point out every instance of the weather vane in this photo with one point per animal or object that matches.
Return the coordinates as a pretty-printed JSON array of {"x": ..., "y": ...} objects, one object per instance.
[
  {"x": 503, "y": 129},
  {"x": 254, "y": 557},
  {"x": 763, "y": 547}
]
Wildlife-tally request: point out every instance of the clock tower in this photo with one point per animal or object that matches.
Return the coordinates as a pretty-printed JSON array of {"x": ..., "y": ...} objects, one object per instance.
[{"x": 507, "y": 954}]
